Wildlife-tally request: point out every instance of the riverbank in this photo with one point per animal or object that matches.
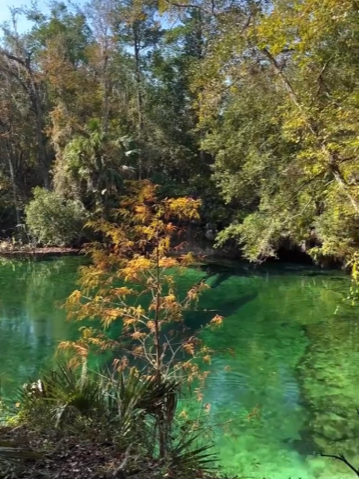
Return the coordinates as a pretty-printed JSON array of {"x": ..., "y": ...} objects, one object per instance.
[
  {"x": 202, "y": 253},
  {"x": 55, "y": 454},
  {"x": 81, "y": 424},
  {"x": 38, "y": 253},
  {"x": 192, "y": 240}
]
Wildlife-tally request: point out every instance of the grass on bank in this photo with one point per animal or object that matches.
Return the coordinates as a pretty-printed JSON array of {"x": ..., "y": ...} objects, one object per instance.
[{"x": 79, "y": 424}]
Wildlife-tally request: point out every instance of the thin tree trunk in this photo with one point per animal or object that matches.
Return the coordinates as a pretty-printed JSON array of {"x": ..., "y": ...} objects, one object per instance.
[
  {"x": 158, "y": 351},
  {"x": 14, "y": 187},
  {"x": 41, "y": 139},
  {"x": 12, "y": 176},
  {"x": 138, "y": 78},
  {"x": 106, "y": 90}
]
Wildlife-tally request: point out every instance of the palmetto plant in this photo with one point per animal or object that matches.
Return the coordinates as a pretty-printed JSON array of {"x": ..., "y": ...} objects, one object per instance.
[
  {"x": 98, "y": 161},
  {"x": 126, "y": 406},
  {"x": 124, "y": 398},
  {"x": 61, "y": 392}
]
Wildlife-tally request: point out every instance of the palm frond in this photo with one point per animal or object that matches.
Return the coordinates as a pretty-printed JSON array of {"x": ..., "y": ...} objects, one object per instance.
[{"x": 189, "y": 452}]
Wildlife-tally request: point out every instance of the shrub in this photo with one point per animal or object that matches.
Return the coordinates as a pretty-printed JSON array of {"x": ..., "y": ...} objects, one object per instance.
[
  {"x": 118, "y": 410},
  {"x": 54, "y": 221}
]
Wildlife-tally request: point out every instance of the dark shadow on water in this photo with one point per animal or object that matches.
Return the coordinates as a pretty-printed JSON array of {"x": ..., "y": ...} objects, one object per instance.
[
  {"x": 199, "y": 318},
  {"x": 304, "y": 446},
  {"x": 222, "y": 272}
]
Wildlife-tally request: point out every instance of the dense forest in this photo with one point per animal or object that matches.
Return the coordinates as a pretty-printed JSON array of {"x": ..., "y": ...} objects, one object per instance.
[{"x": 251, "y": 106}]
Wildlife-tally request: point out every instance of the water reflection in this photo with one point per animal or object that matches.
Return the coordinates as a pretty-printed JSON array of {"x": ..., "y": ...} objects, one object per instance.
[{"x": 30, "y": 325}]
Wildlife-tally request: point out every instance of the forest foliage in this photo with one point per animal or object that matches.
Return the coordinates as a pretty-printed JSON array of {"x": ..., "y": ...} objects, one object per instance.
[{"x": 249, "y": 105}]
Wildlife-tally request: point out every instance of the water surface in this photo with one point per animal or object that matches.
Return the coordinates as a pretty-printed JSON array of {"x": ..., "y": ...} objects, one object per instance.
[{"x": 282, "y": 385}]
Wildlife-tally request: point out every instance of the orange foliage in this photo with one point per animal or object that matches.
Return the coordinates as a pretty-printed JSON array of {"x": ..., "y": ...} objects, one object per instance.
[
  {"x": 138, "y": 254},
  {"x": 217, "y": 320}
]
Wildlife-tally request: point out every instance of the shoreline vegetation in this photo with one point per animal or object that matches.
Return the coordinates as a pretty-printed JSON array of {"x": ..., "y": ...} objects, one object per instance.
[
  {"x": 202, "y": 253},
  {"x": 38, "y": 253}
]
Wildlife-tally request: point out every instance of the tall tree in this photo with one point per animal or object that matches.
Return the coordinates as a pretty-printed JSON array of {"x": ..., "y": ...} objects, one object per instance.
[
  {"x": 304, "y": 57},
  {"x": 17, "y": 64}
]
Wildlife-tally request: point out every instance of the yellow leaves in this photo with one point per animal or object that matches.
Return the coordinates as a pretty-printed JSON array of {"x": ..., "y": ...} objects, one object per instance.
[
  {"x": 182, "y": 208},
  {"x": 216, "y": 321},
  {"x": 186, "y": 366},
  {"x": 87, "y": 333},
  {"x": 74, "y": 298},
  {"x": 80, "y": 349},
  {"x": 129, "y": 321},
  {"x": 139, "y": 193},
  {"x": 109, "y": 315},
  {"x": 138, "y": 335},
  {"x": 142, "y": 213},
  {"x": 166, "y": 262},
  {"x": 98, "y": 342},
  {"x": 140, "y": 241},
  {"x": 138, "y": 312},
  {"x": 189, "y": 348},
  {"x": 164, "y": 245},
  {"x": 301, "y": 26},
  {"x": 192, "y": 294},
  {"x": 187, "y": 259},
  {"x": 123, "y": 291},
  {"x": 199, "y": 394},
  {"x": 172, "y": 307},
  {"x": 207, "y": 359},
  {"x": 183, "y": 414},
  {"x": 151, "y": 326},
  {"x": 171, "y": 298},
  {"x": 135, "y": 267}
]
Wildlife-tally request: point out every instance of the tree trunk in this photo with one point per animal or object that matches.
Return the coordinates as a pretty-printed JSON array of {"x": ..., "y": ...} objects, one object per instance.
[
  {"x": 13, "y": 185},
  {"x": 105, "y": 88},
  {"x": 41, "y": 139},
  {"x": 138, "y": 77}
]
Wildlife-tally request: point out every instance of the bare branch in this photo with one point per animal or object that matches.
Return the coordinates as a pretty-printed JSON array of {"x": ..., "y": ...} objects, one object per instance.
[{"x": 342, "y": 458}]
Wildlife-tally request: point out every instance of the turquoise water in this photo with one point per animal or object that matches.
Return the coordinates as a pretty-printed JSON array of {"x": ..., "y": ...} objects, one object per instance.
[
  {"x": 30, "y": 325},
  {"x": 282, "y": 384}
]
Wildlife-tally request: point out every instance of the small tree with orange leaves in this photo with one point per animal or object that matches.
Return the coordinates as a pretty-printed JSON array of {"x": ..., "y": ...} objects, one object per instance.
[{"x": 135, "y": 263}]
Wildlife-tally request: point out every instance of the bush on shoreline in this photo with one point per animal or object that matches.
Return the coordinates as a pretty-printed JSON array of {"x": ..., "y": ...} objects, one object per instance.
[
  {"x": 52, "y": 220},
  {"x": 80, "y": 424}
]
